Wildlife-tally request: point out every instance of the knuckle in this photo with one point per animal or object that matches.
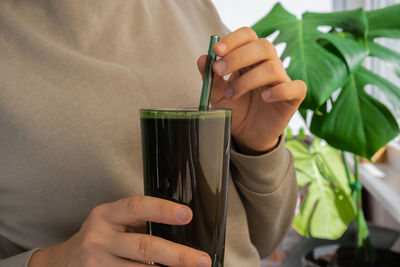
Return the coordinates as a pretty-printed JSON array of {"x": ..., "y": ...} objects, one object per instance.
[
  {"x": 250, "y": 32},
  {"x": 135, "y": 204},
  {"x": 240, "y": 85},
  {"x": 89, "y": 262},
  {"x": 265, "y": 44},
  {"x": 98, "y": 211},
  {"x": 235, "y": 59},
  {"x": 163, "y": 211},
  {"x": 275, "y": 67},
  {"x": 90, "y": 241},
  {"x": 267, "y": 47},
  {"x": 282, "y": 76},
  {"x": 145, "y": 247},
  {"x": 182, "y": 257}
]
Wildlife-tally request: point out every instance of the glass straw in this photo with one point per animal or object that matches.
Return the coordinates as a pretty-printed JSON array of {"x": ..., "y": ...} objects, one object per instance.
[{"x": 208, "y": 75}]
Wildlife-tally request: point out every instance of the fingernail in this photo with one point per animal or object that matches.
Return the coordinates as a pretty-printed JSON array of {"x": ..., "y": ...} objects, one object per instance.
[
  {"x": 220, "y": 66},
  {"x": 266, "y": 95},
  {"x": 204, "y": 261},
  {"x": 183, "y": 214},
  {"x": 228, "y": 92},
  {"x": 222, "y": 47}
]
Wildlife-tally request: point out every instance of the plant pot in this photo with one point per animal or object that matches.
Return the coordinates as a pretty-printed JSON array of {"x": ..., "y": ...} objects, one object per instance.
[
  {"x": 381, "y": 237},
  {"x": 344, "y": 256}
]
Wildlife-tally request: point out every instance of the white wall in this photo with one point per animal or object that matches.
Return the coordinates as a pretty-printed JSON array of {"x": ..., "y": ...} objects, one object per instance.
[{"x": 239, "y": 13}]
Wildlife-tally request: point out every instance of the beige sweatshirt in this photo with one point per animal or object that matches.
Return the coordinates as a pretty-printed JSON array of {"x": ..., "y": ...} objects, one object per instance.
[{"x": 73, "y": 75}]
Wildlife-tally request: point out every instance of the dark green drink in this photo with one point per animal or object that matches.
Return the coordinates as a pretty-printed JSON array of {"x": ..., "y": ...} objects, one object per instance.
[{"x": 186, "y": 160}]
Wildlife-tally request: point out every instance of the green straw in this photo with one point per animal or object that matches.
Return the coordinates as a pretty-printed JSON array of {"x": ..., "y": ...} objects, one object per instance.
[{"x": 209, "y": 75}]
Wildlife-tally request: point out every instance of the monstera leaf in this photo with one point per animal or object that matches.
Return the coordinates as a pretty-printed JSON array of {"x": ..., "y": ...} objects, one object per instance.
[
  {"x": 328, "y": 196},
  {"x": 332, "y": 61},
  {"x": 357, "y": 122},
  {"x": 318, "y": 67},
  {"x": 384, "y": 23}
]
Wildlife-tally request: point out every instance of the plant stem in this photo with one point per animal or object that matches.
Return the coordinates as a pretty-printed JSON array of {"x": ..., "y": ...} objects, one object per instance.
[
  {"x": 346, "y": 168},
  {"x": 358, "y": 201},
  {"x": 357, "y": 180},
  {"x": 365, "y": 252}
]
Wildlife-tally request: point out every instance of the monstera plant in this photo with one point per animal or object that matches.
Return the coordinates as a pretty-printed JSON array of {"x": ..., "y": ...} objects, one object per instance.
[{"x": 327, "y": 51}]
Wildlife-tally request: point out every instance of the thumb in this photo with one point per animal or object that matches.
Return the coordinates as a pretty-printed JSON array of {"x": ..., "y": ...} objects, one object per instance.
[
  {"x": 201, "y": 65},
  {"x": 219, "y": 85}
]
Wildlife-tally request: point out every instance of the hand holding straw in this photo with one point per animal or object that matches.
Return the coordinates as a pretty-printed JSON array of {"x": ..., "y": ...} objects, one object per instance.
[{"x": 208, "y": 75}]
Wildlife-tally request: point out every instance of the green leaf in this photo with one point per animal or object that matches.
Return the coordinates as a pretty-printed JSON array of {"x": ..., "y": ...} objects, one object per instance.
[
  {"x": 278, "y": 18},
  {"x": 362, "y": 228},
  {"x": 327, "y": 208},
  {"x": 365, "y": 77},
  {"x": 332, "y": 213},
  {"x": 321, "y": 70},
  {"x": 384, "y": 22},
  {"x": 357, "y": 122},
  {"x": 303, "y": 113},
  {"x": 331, "y": 61},
  {"x": 352, "y": 21},
  {"x": 302, "y": 133},
  {"x": 352, "y": 50},
  {"x": 288, "y": 132},
  {"x": 303, "y": 163},
  {"x": 384, "y": 53},
  {"x": 331, "y": 167},
  {"x": 388, "y": 55},
  {"x": 301, "y": 222}
]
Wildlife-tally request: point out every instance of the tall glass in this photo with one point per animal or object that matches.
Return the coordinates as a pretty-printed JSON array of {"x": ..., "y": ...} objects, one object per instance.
[{"x": 186, "y": 160}]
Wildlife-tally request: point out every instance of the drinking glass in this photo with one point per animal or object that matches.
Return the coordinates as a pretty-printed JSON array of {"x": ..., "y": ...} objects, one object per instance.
[{"x": 186, "y": 160}]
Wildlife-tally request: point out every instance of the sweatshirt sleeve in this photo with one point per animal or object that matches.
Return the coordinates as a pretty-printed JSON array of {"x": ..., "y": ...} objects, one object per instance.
[
  {"x": 268, "y": 189},
  {"x": 19, "y": 260}
]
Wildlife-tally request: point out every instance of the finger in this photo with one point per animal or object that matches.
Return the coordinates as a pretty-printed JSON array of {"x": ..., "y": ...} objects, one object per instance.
[
  {"x": 108, "y": 259},
  {"x": 219, "y": 84},
  {"x": 139, "y": 209},
  {"x": 136, "y": 228},
  {"x": 294, "y": 91},
  {"x": 234, "y": 40},
  {"x": 152, "y": 248},
  {"x": 244, "y": 56},
  {"x": 120, "y": 262},
  {"x": 267, "y": 73},
  {"x": 201, "y": 64},
  {"x": 218, "y": 90}
]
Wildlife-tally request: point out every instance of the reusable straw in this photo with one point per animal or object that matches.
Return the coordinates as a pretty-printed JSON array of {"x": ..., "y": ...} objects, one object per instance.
[{"x": 209, "y": 75}]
